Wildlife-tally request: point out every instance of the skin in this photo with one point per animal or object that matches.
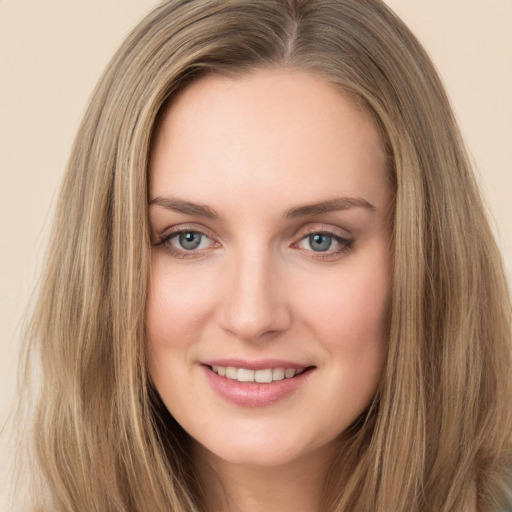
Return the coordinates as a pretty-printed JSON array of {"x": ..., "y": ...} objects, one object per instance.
[{"x": 252, "y": 149}]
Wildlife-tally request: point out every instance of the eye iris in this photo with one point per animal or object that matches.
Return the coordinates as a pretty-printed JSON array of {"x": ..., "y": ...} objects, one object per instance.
[
  {"x": 320, "y": 242},
  {"x": 190, "y": 240}
]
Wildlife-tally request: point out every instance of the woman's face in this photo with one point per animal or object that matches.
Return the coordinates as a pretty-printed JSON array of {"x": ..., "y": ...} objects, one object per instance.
[{"x": 269, "y": 208}]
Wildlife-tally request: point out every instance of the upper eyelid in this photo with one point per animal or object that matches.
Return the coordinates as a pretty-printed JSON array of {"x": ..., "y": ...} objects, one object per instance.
[
  {"x": 330, "y": 229},
  {"x": 163, "y": 236},
  {"x": 298, "y": 235},
  {"x": 183, "y": 228},
  {"x": 340, "y": 239},
  {"x": 173, "y": 234},
  {"x": 180, "y": 253}
]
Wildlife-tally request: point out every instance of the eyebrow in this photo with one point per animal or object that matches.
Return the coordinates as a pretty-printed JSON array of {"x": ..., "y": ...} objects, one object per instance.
[
  {"x": 336, "y": 204},
  {"x": 200, "y": 210},
  {"x": 185, "y": 207}
]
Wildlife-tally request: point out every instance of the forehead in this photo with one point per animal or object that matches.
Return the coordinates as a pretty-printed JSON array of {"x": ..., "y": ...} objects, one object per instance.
[{"x": 273, "y": 130}]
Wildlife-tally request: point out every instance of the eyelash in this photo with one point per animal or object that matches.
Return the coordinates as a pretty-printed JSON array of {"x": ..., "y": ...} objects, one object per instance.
[
  {"x": 327, "y": 255},
  {"x": 165, "y": 241},
  {"x": 345, "y": 244}
]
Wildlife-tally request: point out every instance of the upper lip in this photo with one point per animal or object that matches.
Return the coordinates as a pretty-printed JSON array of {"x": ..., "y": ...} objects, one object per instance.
[{"x": 260, "y": 364}]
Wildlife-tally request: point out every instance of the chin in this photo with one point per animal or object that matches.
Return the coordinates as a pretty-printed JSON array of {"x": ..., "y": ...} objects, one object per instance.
[{"x": 260, "y": 449}]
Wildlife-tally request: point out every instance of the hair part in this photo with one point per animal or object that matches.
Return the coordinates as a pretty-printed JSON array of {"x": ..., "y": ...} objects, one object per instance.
[{"x": 437, "y": 437}]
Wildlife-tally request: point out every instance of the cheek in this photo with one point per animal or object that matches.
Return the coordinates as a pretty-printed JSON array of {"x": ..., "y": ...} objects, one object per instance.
[
  {"x": 176, "y": 310},
  {"x": 178, "y": 304},
  {"x": 349, "y": 315},
  {"x": 353, "y": 307},
  {"x": 366, "y": 306}
]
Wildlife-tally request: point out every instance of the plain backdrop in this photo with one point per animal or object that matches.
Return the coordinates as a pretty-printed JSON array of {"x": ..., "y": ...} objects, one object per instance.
[{"x": 52, "y": 53}]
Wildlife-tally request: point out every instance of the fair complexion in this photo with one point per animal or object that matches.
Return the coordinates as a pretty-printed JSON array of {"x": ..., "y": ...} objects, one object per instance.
[{"x": 269, "y": 209}]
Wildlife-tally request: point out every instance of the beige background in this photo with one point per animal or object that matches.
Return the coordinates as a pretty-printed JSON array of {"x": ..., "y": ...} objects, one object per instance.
[{"x": 53, "y": 51}]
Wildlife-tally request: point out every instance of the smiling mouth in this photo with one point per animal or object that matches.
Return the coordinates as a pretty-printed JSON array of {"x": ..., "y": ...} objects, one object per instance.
[{"x": 264, "y": 376}]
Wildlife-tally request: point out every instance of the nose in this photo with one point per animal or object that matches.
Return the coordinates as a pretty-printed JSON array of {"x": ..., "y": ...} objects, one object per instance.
[{"x": 254, "y": 304}]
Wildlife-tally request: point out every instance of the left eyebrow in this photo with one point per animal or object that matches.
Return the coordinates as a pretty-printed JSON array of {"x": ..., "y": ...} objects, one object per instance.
[
  {"x": 185, "y": 207},
  {"x": 336, "y": 204}
]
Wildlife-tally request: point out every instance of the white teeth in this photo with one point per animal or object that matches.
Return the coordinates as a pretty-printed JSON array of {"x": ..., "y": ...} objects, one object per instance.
[
  {"x": 278, "y": 374},
  {"x": 244, "y": 375},
  {"x": 231, "y": 373},
  {"x": 289, "y": 373},
  {"x": 262, "y": 376}
]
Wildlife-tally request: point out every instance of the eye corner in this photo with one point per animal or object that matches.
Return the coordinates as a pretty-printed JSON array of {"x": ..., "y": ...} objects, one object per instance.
[
  {"x": 187, "y": 241},
  {"x": 326, "y": 240}
]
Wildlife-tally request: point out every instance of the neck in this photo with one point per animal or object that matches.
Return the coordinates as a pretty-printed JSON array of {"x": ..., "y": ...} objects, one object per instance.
[{"x": 293, "y": 486}]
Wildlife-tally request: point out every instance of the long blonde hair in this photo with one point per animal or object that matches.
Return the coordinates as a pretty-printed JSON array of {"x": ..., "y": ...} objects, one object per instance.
[{"x": 438, "y": 436}]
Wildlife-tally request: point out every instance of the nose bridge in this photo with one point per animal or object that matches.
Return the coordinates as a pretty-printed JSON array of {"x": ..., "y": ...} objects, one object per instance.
[{"x": 254, "y": 303}]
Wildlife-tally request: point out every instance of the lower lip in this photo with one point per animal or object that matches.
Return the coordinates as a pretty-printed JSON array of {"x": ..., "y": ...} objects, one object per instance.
[{"x": 254, "y": 394}]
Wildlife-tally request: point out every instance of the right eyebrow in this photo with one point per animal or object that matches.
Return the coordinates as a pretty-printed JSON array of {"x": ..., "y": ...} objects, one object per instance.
[
  {"x": 336, "y": 204},
  {"x": 185, "y": 207}
]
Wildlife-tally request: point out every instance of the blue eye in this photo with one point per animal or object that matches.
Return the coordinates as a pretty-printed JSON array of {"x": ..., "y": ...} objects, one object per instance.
[
  {"x": 188, "y": 241},
  {"x": 325, "y": 244},
  {"x": 320, "y": 242}
]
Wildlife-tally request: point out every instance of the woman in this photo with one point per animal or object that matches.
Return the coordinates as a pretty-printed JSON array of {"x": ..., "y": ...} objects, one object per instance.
[{"x": 209, "y": 342}]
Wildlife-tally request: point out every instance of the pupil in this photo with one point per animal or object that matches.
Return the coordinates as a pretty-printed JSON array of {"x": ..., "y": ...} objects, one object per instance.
[
  {"x": 190, "y": 240},
  {"x": 320, "y": 242}
]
